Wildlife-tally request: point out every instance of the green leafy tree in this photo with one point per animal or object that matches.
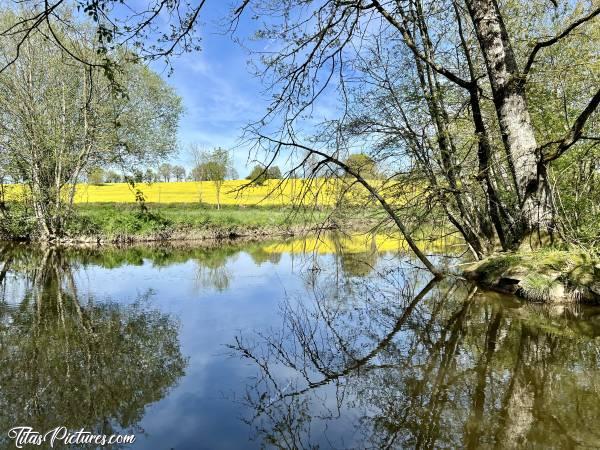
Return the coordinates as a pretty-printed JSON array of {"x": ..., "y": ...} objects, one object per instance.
[
  {"x": 260, "y": 174},
  {"x": 113, "y": 177},
  {"x": 274, "y": 173},
  {"x": 59, "y": 119},
  {"x": 364, "y": 165},
  {"x": 165, "y": 171},
  {"x": 150, "y": 176},
  {"x": 137, "y": 176},
  {"x": 197, "y": 173},
  {"x": 96, "y": 175},
  {"x": 215, "y": 166},
  {"x": 179, "y": 173}
]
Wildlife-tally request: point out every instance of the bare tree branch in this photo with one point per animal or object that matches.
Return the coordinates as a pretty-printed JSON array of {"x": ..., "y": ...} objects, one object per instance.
[
  {"x": 547, "y": 43},
  {"x": 386, "y": 206},
  {"x": 574, "y": 134},
  {"x": 411, "y": 44}
]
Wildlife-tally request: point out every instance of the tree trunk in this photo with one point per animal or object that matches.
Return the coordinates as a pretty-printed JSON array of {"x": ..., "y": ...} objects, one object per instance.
[{"x": 528, "y": 171}]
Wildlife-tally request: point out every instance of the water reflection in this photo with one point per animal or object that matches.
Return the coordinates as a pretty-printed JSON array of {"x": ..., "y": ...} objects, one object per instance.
[
  {"x": 71, "y": 361},
  {"x": 404, "y": 364},
  {"x": 343, "y": 345}
]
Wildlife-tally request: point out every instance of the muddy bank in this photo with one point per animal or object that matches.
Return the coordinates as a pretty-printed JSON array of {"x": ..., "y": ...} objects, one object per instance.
[
  {"x": 549, "y": 276},
  {"x": 196, "y": 235}
]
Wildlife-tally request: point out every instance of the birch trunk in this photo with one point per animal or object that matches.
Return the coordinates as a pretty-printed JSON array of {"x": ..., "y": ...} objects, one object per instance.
[{"x": 528, "y": 171}]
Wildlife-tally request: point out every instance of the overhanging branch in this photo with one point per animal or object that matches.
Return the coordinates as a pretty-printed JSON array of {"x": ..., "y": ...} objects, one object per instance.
[
  {"x": 547, "y": 43},
  {"x": 386, "y": 206},
  {"x": 408, "y": 40},
  {"x": 574, "y": 134}
]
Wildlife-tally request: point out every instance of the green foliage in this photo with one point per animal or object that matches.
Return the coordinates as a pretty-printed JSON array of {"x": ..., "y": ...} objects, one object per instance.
[
  {"x": 178, "y": 172},
  {"x": 165, "y": 171},
  {"x": 537, "y": 287},
  {"x": 96, "y": 176},
  {"x": 150, "y": 176},
  {"x": 110, "y": 219},
  {"x": 364, "y": 165},
  {"x": 65, "y": 119},
  {"x": 81, "y": 225},
  {"x": 16, "y": 222},
  {"x": 113, "y": 177},
  {"x": 215, "y": 166},
  {"x": 260, "y": 174},
  {"x": 136, "y": 223},
  {"x": 214, "y": 170},
  {"x": 577, "y": 193},
  {"x": 117, "y": 222},
  {"x": 136, "y": 176},
  {"x": 148, "y": 117}
]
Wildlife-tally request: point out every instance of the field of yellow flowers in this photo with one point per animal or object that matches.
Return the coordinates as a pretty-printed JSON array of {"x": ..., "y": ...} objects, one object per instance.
[
  {"x": 233, "y": 192},
  {"x": 319, "y": 192}
]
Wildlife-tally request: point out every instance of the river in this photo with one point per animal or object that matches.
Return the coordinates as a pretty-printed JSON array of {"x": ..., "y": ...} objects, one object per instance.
[{"x": 289, "y": 344}]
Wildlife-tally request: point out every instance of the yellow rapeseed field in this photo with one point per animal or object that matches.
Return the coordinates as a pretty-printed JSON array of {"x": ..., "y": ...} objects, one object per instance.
[
  {"x": 233, "y": 192},
  {"x": 316, "y": 192},
  {"x": 319, "y": 192}
]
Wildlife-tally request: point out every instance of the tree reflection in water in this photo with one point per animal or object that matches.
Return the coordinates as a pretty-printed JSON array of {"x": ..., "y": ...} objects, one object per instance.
[
  {"x": 398, "y": 363},
  {"x": 71, "y": 361}
]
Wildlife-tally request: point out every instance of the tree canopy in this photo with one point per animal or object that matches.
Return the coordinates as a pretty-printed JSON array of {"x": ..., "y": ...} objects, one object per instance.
[
  {"x": 260, "y": 174},
  {"x": 214, "y": 166},
  {"x": 363, "y": 164},
  {"x": 60, "y": 117}
]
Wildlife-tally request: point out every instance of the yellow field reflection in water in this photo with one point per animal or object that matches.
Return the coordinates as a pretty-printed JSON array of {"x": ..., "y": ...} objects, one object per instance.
[
  {"x": 328, "y": 243},
  {"x": 363, "y": 353}
]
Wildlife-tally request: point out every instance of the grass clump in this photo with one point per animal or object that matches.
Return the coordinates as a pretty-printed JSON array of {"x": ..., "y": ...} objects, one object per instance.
[
  {"x": 538, "y": 287},
  {"x": 113, "y": 222},
  {"x": 545, "y": 275},
  {"x": 112, "y": 219}
]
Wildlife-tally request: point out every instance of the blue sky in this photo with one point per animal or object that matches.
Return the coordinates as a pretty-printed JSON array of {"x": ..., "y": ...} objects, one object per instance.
[{"x": 219, "y": 91}]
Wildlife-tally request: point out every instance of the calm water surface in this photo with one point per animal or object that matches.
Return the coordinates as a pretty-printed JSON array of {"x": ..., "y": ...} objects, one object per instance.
[{"x": 273, "y": 345}]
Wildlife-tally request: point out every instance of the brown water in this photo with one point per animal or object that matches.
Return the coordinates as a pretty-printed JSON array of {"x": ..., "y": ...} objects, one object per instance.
[{"x": 273, "y": 345}]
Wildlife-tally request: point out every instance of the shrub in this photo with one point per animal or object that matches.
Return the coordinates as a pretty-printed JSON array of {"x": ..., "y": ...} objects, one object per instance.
[{"x": 17, "y": 222}]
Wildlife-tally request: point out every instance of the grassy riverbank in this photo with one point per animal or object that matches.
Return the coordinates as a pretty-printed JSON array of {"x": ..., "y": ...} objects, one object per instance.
[
  {"x": 127, "y": 222},
  {"x": 547, "y": 275}
]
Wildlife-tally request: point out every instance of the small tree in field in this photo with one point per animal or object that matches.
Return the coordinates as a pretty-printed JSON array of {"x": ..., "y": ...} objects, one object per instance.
[
  {"x": 165, "y": 171},
  {"x": 261, "y": 174},
  {"x": 215, "y": 166},
  {"x": 363, "y": 164},
  {"x": 137, "y": 176},
  {"x": 150, "y": 176},
  {"x": 179, "y": 173},
  {"x": 113, "y": 177},
  {"x": 96, "y": 176},
  {"x": 274, "y": 173}
]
